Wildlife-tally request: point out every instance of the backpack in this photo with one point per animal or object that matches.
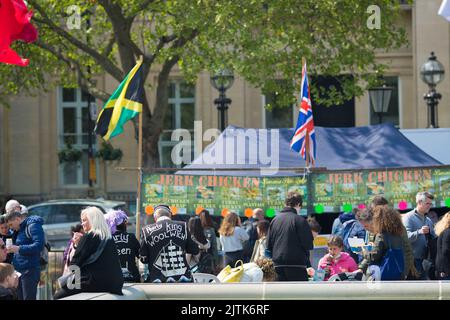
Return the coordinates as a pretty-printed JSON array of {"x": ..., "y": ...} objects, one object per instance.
[
  {"x": 392, "y": 265},
  {"x": 352, "y": 229},
  {"x": 43, "y": 260},
  {"x": 248, "y": 245},
  {"x": 338, "y": 229},
  {"x": 345, "y": 234}
]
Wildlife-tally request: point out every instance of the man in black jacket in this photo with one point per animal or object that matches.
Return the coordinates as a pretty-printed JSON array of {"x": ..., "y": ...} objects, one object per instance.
[
  {"x": 164, "y": 245},
  {"x": 290, "y": 239}
]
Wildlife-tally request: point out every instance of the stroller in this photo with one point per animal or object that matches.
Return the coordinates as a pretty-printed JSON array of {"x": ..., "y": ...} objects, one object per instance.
[{"x": 372, "y": 274}]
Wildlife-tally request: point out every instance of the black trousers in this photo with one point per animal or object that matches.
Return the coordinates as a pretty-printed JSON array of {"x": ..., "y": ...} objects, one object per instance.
[
  {"x": 291, "y": 273},
  {"x": 232, "y": 257}
]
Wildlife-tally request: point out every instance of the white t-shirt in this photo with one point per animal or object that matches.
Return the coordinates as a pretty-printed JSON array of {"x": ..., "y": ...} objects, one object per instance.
[{"x": 234, "y": 242}]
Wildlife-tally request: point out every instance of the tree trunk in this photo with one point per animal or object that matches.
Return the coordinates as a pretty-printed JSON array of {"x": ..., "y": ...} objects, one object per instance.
[
  {"x": 105, "y": 176},
  {"x": 153, "y": 124},
  {"x": 150, "y": 138}
]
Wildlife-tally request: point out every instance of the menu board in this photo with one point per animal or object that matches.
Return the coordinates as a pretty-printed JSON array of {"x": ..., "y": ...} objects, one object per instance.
[
  {"x": 334, "y": 189},
  {"x": 276, "y": 190},
  {"x": 442, "y": 185},
  {"x": 187, "y": 193}
]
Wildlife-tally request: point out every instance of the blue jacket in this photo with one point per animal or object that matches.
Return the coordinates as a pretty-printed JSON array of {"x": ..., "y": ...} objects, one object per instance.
[{"x": 30, "y": 248}]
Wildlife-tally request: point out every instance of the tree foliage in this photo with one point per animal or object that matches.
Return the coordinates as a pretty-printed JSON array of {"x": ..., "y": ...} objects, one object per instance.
[{"x": 262, "y": 40}]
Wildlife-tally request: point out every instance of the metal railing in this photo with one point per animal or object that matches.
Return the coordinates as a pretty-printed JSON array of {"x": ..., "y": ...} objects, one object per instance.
[
  {"x": 339, "y": 290},
  {"x": 49, "y": 276}
]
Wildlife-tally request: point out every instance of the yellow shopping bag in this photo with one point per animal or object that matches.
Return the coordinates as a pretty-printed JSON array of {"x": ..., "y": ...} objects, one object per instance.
[{"x": 229, "y": 274}]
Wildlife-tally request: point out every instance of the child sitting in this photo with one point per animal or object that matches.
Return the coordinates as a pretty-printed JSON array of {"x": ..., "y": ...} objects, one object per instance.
[
  {"x": 336, "y": 261},
  {"x": 9, "y": 281}
]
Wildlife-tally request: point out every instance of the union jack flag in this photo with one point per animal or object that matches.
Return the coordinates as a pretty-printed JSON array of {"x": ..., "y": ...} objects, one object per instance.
[{"x": 304, "y": 139}]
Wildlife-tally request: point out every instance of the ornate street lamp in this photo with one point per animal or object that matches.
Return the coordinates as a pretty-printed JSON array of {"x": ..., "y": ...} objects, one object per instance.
[
  {"x": 222, "y": 81},
  {"x": 379, "y": 99},
  {"x": 432, "y": 72}
]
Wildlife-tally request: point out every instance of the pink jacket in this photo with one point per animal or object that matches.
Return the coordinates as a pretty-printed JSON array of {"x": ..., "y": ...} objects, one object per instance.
[{"x": 344, "y": 263}]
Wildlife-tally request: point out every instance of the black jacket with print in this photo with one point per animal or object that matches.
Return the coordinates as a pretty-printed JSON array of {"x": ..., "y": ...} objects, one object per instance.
[
  {"x": 164, "y": 245},
  {"x": 128, "y": 250}
]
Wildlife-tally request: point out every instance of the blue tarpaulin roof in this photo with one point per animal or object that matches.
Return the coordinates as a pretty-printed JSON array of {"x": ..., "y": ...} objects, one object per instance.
[{"x": 370, "y": 147}]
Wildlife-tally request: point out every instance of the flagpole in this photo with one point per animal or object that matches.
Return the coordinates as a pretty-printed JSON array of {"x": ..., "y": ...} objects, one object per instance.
[
  {"x": 307, "y": 148},
  {"x": 138, "y": 198}
]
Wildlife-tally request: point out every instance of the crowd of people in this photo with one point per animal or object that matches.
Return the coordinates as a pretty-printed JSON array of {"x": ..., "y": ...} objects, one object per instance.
[{"x": 403, "y": 247}]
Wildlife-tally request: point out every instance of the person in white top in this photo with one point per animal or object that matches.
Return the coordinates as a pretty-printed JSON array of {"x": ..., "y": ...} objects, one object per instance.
[{"x": 232, "y": 237}]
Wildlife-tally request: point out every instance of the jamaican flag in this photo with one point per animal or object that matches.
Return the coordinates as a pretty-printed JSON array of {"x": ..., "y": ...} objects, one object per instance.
[{"x": 124, "y": 104}]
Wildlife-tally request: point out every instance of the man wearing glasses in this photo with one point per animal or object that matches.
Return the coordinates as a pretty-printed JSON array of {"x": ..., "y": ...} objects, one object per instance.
[{"x": 420, "y": 230}]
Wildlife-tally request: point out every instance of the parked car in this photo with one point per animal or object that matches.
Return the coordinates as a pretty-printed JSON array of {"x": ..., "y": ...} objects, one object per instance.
[{"x": 60, "y": 215}]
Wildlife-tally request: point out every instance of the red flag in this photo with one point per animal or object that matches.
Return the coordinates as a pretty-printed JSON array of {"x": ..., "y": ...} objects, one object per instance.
[{"x": 14, "y": 25}]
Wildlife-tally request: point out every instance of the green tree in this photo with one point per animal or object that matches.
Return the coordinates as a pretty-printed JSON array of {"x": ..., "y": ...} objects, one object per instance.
[{"x": 262, "y": 40}]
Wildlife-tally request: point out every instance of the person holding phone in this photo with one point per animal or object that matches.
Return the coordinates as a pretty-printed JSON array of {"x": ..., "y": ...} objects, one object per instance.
[
  {"x": 6, "y": 235},
  {"x": 418, "y": 226}
]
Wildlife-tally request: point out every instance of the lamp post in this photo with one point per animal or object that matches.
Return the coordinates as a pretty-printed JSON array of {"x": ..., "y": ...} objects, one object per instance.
[
  {"x": 379, "y": 98},
  {"x": 432, "y": 72},
  {"x": 92, "y": 116},
  {"x": 222, "y": 81}
]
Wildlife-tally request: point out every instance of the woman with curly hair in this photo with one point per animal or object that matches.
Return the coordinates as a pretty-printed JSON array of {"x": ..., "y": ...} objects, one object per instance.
[
  {"x": 232, "y": 237},
  {"x": 388, "y": 229},
  {"x": 442, "y": 230},
  {"x": 268, "y": 269}
]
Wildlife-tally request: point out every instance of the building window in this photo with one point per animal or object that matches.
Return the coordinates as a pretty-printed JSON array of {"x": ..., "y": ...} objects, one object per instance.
[
  {"x": 73, "y": 126},
  {"x": 179, "y": 115},
  {"x": 279, "y": 116},
  {"x": 393, "y": 115}
]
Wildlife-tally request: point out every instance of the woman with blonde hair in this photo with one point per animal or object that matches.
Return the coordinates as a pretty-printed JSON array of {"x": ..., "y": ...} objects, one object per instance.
[
  {"x": 96, "y": 257},
  {"x": 442, "y": 230},
  {"x": 232, "y": 237},
  {"x": 388, "y": 229}
]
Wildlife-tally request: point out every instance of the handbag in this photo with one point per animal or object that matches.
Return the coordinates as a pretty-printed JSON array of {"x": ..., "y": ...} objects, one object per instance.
[
  {"x": 252, "y": 273},
  {"x": 392, "y": 265},
  {"x": 229, "y": 274}
]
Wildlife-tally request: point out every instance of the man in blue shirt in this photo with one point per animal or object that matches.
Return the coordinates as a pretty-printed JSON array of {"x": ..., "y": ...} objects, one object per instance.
[{"x": 418, "y": 226}]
